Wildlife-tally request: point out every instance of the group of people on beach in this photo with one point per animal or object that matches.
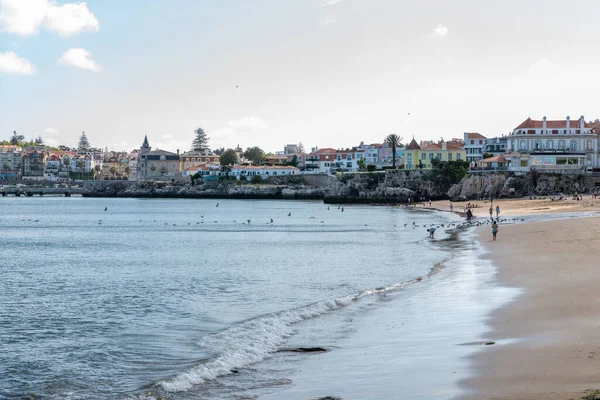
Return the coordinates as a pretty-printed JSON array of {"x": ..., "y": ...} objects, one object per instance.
[{"x": 469, "y": 216}]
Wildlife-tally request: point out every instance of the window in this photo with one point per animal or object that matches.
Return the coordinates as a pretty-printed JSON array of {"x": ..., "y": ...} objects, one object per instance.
[
  {"x": 588, "y": 145},
  {"x": 573, "y": 145},
  {"x": 472, "y": 142},
  {"x": 458, "y": 156},
  {"x": 561, "y": 144},
  {"x": 348, "y": 165},
  {"x": 423, "y": 156},
  {"x": 481, "y": 142},
  {"x": 409, "y": 157},
  {"x": 523, "y": 144},
  {"x": 524, "y": 163},
  {"x": 431, "y": 156},
  {"x": 550, "y": 144},
  {"x": 439, "y": 156},
  {"x": 449, "y": 156}
]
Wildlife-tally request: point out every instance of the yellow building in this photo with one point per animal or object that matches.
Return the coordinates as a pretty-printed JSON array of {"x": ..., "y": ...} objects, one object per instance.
[{"x": 416, "y": 157}]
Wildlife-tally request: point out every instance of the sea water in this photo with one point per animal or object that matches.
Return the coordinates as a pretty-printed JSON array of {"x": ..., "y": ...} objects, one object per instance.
[{"x": 181, "y": 299}]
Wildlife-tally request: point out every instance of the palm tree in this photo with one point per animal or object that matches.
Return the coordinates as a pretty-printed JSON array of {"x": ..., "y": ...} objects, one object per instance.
[{"x": 393, "y": 141}]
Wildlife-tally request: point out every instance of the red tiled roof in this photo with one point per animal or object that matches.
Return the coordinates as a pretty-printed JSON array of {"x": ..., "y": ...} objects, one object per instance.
[
  {"x": 474, "y": 135},
  {"x": 413, "y": 145},
  {"x": 552, "y": 124}
]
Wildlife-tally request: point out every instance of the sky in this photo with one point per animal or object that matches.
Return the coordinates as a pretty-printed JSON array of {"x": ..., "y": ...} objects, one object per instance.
[{"x": 327, "y": 73}]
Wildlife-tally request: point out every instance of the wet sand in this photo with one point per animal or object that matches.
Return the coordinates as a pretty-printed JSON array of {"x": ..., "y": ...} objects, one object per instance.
[
  {"x": 523, "y": 206},
  {"x": 548, "y": 339}
]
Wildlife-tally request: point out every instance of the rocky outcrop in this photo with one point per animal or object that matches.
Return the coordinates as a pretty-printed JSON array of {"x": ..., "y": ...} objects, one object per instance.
[
  {"x": 392, "y": 186},
  {"x": 506, "y": 185},
  {"x": 227, "y": 189},
  {"x": 475, "y": 186}
]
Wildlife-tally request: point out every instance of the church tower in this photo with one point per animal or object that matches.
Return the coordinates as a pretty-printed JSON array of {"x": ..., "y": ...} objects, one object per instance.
[
  {"x": 142, "y": 165},
  {"x": 145, "y": 146}
]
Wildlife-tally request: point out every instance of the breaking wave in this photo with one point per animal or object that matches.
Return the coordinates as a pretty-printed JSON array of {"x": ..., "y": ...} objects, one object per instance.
[{"x": 254, "y": 340}]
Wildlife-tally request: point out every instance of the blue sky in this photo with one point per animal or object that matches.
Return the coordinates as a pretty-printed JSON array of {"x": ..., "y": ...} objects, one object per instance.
[{"x": 271, "y": 72}]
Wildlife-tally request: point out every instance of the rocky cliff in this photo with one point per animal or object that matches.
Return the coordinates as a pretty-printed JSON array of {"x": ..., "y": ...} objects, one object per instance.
[
  {"x": 385, "y": 187},
  {"x": 474, "y": 186},
  {"x": 227, "y": 189}
]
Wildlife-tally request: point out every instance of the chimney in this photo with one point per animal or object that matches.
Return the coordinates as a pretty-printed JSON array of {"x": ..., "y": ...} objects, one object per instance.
[
  {"x": 581, "y": 123},
  {"x": 177, "y": 151},
  {"x": 444, "y": 147},
  {"x": 544, "y": 125},
  {"x": 568, "y": 127}
]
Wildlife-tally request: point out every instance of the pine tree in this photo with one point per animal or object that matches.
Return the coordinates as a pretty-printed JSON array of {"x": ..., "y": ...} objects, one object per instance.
[
  {"x": 84, "y": 143},
  {"x": 200, "y": 142}
]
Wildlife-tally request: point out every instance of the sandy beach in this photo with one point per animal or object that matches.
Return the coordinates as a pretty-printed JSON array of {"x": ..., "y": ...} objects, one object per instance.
[
  {"x": 548, "y": 340},
  {"x": 523, "y": 206}
]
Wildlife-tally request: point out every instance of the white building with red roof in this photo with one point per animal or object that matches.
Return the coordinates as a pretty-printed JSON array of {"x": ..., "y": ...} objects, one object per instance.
[
  {"x": 474, "y": 146},
  {"x": 553, "y": 145}
]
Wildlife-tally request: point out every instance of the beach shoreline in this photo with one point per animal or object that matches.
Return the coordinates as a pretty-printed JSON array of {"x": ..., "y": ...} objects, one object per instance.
[{"x": 546, "y": 341}]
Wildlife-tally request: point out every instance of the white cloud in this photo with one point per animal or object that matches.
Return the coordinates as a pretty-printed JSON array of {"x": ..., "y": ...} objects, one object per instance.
[
  {"x": 52, "y": 131},
  {"x": 248, "y": 123},
  {"x": 330, "y": 2},
  {"x": 440, "y": 30},
  {"x": 11, "y": 63},
  {"x": 79, "y": 58},
  {"x": 27, "y": 17}
]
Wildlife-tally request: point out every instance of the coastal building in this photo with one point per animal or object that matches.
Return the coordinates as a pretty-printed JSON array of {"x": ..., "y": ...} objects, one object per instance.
[
  {"x": 290, "y": 149},
  {"x": 371, "y": 153},
  {"x": 496, "y": 145},
  {"x": 246, "y": 172},
  {"x": 157, "y": 164},
  {"x": 423, "y": 158},
  {"x": 347, "y": 160},
  {"x": 320, "y": 161},
  {"x": 33, "y": 164},
  {"x": 196, "y": 158},
  {"x": 133, "y": 169},
  {"x": 52, "y": 168},
  {"x": 553, "y": 145},
  {"x": 114, "y": 168},
  {"x": 10, "y": 161},
  {"x": 385, "y": 155},
  {"x": 474, "y": 147}
]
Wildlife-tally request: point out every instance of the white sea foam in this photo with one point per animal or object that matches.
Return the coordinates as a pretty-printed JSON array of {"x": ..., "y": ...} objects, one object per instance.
[{"x": 254, "y": 340}]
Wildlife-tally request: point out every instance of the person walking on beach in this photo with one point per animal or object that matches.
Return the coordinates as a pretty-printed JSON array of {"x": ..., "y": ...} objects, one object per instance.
[
  {"x": 497, "y": 211},
  {"x": 491, "y": 212},
  {"x": 451, "y": 206},
  {"x": 494, "y": 230}
]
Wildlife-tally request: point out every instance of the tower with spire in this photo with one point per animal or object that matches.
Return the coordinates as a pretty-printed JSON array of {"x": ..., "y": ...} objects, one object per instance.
[{"x": 145, "y": 146}]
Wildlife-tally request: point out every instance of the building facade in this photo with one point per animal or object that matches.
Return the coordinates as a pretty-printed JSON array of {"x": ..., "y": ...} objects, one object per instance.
[
  {"x": 157, "y": 164},
  {"x": 474, "y": 146},
  {"x": 553, "y": 145},
  {"x": 422, "y": 158}
]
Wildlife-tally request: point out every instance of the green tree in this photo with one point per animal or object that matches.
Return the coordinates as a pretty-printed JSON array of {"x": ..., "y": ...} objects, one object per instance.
[
  {"x": 200, "y": 142},
  {"x": 219, "y": 151},
  {"x": 39, "y": 141},
  {"x": 255, "y": 154},
  {"x": 294, "y": 162},
  {"x": 256, "y": 179},
  {"x": 16, "y": 139},
  {"x": 62, "y": 147},
  {"x": 84, "y": 143},
  {"x": 362, "y": 164},
  {"x": 487, "y": 155},
  {"x": 229, "y": 157},
  {"x": 300, "y": 148},
  {"x": 394, "y": 142},
  {"x": 113, "y": 170}
]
